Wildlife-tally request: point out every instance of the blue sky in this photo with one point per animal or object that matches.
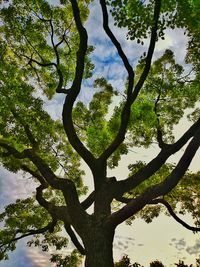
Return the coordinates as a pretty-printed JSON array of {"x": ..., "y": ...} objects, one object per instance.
[{"x": 178, "y": 243}]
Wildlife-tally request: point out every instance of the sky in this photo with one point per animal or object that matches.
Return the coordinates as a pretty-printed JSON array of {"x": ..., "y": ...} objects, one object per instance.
[{"x": 163, "y": 239}]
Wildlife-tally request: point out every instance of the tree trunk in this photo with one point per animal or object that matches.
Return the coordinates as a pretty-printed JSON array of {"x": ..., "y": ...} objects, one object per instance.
[{"x": 99, "y": 248}]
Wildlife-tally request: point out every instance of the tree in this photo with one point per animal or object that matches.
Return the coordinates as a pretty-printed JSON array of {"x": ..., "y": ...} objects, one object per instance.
[
  {"x": 45, "y": 51},
  {"x": 125, "y": 262}
]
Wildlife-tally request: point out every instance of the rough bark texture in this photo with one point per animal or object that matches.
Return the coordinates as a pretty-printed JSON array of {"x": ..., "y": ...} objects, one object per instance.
[{"x": 99, "y": 246}]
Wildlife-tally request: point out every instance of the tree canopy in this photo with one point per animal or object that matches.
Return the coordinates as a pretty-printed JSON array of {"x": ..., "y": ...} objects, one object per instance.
[{"x": 44, "y": 51}]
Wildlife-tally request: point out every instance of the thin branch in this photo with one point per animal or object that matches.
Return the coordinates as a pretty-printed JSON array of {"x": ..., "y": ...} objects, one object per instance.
[
  {"x": 59, "y": 88},
  {"x": 183, "y": 79},
  {"x": 50, "y": 227},
  {"x": 173, "y": 214},
  {"x": 159, "y": 131},
  {"x": 150, "y": 52},
  {"x": 74, "y": 239},
  {"x": 26, "y": 129},
  {"x": 42, "y": 64},
  {"x": 34, "y": 49},
  {"x": 36, "y": 73}
]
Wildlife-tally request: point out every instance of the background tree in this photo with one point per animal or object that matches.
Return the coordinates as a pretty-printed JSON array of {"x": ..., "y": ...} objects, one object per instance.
[
  {"x": 125, "y": 262},
  {"x": 44, "y": 51}
]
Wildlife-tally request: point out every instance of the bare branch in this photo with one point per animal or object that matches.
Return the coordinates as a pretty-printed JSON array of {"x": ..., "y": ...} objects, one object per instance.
[
  {"x": 173, "y": 214},
  {"x": 74, "y": 239},
  {"x": 184, "y": 79}
]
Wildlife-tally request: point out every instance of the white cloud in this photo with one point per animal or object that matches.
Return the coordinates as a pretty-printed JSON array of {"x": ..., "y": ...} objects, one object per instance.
[
  {"x": 195, "y": 249},
  {"x": 39, "y": 258},
  {"x": 164, "y": 44},
  {"x": 14, "y": 186}
]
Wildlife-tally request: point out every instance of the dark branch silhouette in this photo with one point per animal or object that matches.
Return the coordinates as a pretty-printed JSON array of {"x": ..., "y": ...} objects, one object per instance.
[
  {"x": 49, "y": 227},
  {"x": 155, "y": 164},
  {"x": 161, "y": 188},
  {"x": 131, "y": 94},
  {"x": 173, "y": 214},
  {"x": 75, "y": 89}
]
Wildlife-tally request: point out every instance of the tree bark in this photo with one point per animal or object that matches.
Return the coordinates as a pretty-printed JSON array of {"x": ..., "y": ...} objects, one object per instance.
[{"x": 99, "y": 247}]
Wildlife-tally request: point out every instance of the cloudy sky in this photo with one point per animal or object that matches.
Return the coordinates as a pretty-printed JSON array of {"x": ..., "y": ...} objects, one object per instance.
[{"x": 164, "y": 239}]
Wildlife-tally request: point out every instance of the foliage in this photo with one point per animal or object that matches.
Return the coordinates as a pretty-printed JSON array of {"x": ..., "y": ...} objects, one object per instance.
[
  {"x": 125, "y": 262},
  {"x": 72, "y": 260},
  {"x": 44, "y": 51},
  {"x": 156, "y": 264}
]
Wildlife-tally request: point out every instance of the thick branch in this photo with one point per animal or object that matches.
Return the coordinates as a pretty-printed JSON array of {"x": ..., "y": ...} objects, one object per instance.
[
  {"x": 78, "y": 215},
  {"x": 126, "y": 110},
  {"x": 88, "y": 201},
  {"x": 12, "y": 151},
  {"x": 118, "y": 47},
  {"x": 173, "y": 214},
  {"x": 160, "y": 189},
  {"x": 42, "y": 166},
  {"x": 155, "y": 164},
  {"x": 34, "y": 174},
  {"x": 76, "y": 210},
  {"x": 75, "y": 89},
  {"x": 61, "y": 213},
  {"x": 131, "y": 96}
]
